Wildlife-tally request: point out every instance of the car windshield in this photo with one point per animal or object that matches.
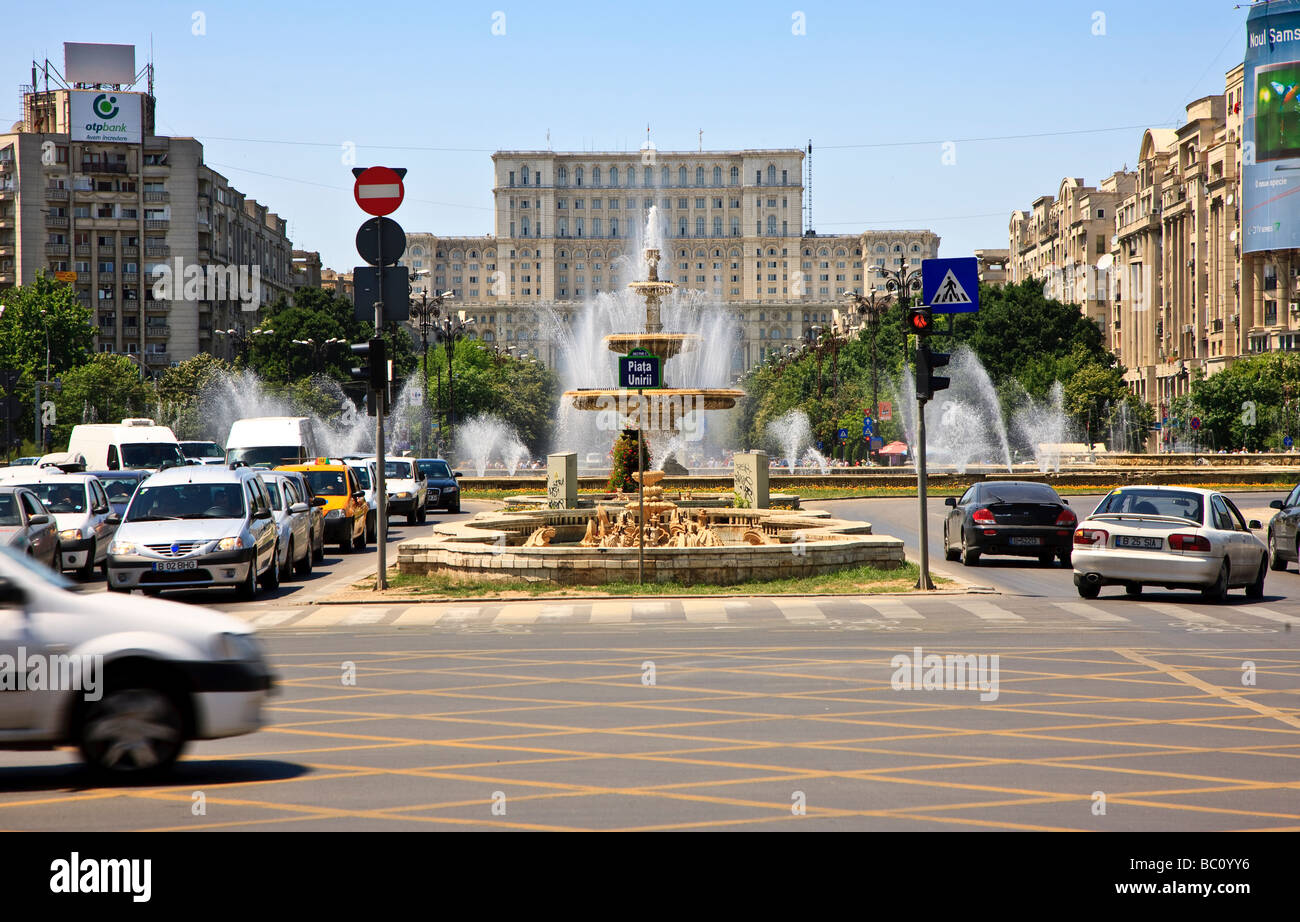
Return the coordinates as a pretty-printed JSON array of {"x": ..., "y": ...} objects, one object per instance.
[
  {"x": 269, "y": 455},
  {"x": 9, "y": 510},
  {"x": 363, "y": 477},
  {"x": 187, "y": 501},
  {"x": 274, "y": 489},
  {"x": 151, "y": 454},
  {"x": 119, "y": 489},
  {"x": 1175, "y": 503},
  {"x": 1018, "y": 493},
  {"x": 61, "y": 497},
  {"x": 398, "y": 470},
  {"x": 202, "y": 450},
  {"x": 328, "y": 483},
  {"x": 435, "y": 468}
]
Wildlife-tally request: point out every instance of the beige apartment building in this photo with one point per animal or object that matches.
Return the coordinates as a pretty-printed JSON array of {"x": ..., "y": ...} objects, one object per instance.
[
  {"x": 730, "y": 224},
  {"x": 113, "y": 217}
]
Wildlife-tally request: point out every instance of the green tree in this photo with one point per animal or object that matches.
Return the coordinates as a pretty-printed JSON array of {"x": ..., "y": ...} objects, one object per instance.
[
  {"x": 523, "y": 393},
  {"x": 1251, "y": 403},
  {"x": 107, "y": 388},
  {"x": 180, "y": 390}
]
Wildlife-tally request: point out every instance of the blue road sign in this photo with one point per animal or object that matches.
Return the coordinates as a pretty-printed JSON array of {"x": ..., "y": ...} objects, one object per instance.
[
  {"x": 867, "y": 426},
  {"x": 843, "y": 434},
  {"x": 639, "y": 369},
  {"x": 820, "y": 446},
  {"x": 950, "y": 286},
  {"x": 877, "y": 443},
  {"x": 1288, "y": 441}
]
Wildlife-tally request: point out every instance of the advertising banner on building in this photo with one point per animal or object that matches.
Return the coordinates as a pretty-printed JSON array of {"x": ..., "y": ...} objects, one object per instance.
[
  {"x": 1270, "y": 142},
  {"x": 109, "y": 116}
]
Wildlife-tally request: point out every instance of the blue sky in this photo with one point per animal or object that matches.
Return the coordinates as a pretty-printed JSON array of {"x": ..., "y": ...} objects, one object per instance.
[{"x": 865, "y": 81}]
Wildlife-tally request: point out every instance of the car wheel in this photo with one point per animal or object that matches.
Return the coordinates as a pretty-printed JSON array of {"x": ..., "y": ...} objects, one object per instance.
[
  {"x": 288, "y": 562},
  {"x": 1089, "y": 590},
  {"x": 969, "y": 556},
  {"x": 1133, "y": 590},
  {"x": 424, "y": 514},
  {"x": 248, "y": 588},
  {"x": 303, "y": 567},
  {"x": 949, "y": 552},
  {"x": 455, "y": 507},
  {"x": 372, "y": 526},
  {"x": 1065, "y": 559},
  {"x": 1218, "y": 592},
  {"x": 318, "y": 552},
  {"x": 1045, "y": 559},
  {"x": 1275, "y": 560},
  {"x": 1256, "y": 589},
  {"x": 87, "y": 570},
  {"x": 131, "y": 733},
  {"x": 410, "y": 517},
  {"x": 271, "y": 578}
]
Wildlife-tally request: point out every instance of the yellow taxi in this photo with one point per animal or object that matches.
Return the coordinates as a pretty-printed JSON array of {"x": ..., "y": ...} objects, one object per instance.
[{"x": 345, "y": 503}]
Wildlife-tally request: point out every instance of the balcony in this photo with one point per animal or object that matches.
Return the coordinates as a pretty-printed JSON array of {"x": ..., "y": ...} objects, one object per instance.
[
  {"x": 54, "y": 220},
  {"x": 96, "y": 166},
  {"x": 7, "y": 195},
  {"x": 6, "y": 276},
  {"x": 130, "y": 278},
  {"x": 56, "y": 249},
  {"x": 6, "y": 166},
  {"x": 156, "y": 252},
  {"x": 83, "y": 278},
  {"x": 157, "y": 329},
  {"x": 157, "y": 197},
  {"x": 157, "y": 224},
  {"x": 157, "y": 358},
  {"x": 54, "y": 194},
  {"x": 83, "y": 249},
  {"x": 129, "y": 252}
]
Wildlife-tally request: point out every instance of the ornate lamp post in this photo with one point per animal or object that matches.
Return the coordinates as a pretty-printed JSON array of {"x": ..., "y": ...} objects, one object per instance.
[
  {"x": 319, "y": 350},
  {"x": 447, "y": 331},
  {"x": 902, "y": 283},
  {"x": 241, "y": 341},
  {"x": 869, "y": 309},
  {"x": 424, "y": 316}
]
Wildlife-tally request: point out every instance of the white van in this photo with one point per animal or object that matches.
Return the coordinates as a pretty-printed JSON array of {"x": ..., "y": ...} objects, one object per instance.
[
  {"x": 270, "y": 441},
  {"x": 132, "y": 445}
]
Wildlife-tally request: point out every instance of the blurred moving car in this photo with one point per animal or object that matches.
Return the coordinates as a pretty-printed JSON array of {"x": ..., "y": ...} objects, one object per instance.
[
  {"x": 120, "y": 486},
  {"x": 195, "y": 527},
  {"x": 86, "y": 522},
  {"x": 27, "y": 526},
  {"x": 1174, "y": 537},
  {"x": 204, "y": 452},
  {"x": 292, "y": 516},
  {"x": 1009, "y": 517},
  {"x": 440, "y": 482},
  {"x": 171, "y": 673}
]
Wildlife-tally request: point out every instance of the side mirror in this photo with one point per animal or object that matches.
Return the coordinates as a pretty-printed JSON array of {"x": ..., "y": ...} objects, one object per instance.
[
  {"x": 299, "y": 508},
  {"x": 1277, "y": 504},
  {"x": 1254, "y": 523},
  {"x": 262, "y": 514},
  {"x": 950, "y": 501},
  {"x": 39, "y": 520},
  {"x": 1065, "y": 501},
  {"x": 113, "y": 519},
  {"x": 318, "y": 501},
  {"x": 99, "y": 510},
  {"x": 457, "y": 474}
]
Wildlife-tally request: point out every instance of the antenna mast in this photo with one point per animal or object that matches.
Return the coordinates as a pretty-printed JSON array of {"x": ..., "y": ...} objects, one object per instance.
[{"x": 807, "y": 192}]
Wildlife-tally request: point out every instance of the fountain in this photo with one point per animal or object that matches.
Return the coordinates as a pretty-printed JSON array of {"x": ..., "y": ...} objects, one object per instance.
[
  {"x": 1043, "y": 425},
  {"x": 481, "y": 435}
]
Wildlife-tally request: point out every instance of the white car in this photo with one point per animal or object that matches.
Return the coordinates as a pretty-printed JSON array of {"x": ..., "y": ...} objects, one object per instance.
[
  {"x": 152, "y": 674},
  {"x": 292, "y": 515},
  {"x": 1174, "y": 537},
  {"x": 407, "y": 488},
  {"x": 82, "y": 512}
]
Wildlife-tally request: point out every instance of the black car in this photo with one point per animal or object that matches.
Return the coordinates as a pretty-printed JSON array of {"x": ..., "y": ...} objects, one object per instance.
[
  {"x": 1012, "y": 517},
  {"x": 1284, "y": 531},
  {"x": 120, "y": 486},
  {"x": 444, "y": 491}
]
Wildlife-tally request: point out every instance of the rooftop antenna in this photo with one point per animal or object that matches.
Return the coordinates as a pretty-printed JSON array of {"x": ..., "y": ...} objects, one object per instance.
[
  {"x": 807, "y": 207},
  {"x": 701, "y": 140},
  {"x": 548, "y": 139}
]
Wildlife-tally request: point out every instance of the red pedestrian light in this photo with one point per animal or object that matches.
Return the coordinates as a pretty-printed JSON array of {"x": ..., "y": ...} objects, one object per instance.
[{"x": 919, "y": 321}]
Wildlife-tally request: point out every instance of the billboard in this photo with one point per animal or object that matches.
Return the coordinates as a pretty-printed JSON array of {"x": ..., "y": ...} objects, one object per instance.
[
  {"x": 110, "y": 116},
  {"x": 85, "y": 62},
  {"x": 1270, "y": 136}
]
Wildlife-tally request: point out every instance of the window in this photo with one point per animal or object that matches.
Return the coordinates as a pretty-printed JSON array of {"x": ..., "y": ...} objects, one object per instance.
[
  {"x": 699, "y": 176},
  {"x": 681, "y": 176},
  {"x": 771, "y": 175},
  {"x": 735, "y": 175},
  {"x": 613, "y": 177},
  {"x": 717, "y": 175}
]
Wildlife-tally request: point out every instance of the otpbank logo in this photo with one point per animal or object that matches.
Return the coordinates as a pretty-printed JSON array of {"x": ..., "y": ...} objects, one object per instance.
[{"x": 105, "y": 106}]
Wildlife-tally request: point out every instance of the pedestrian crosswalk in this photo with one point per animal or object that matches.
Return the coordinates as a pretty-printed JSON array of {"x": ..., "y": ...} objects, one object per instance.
[{"x": 946, "y": 612}]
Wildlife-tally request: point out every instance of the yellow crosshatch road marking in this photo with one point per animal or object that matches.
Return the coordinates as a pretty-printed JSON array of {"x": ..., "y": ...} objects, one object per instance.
[{"x": 560, "y": 726}]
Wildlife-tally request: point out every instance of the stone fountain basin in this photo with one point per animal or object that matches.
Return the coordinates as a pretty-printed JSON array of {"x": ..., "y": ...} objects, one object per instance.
[
  {"x": 664, "y": 345},
  {"x": 679, "y": 400},
  {"x": 488, "y": 546}
]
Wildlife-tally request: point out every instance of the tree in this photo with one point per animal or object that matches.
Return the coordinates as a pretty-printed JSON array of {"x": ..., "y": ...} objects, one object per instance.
[
  {"x": 181, "y": 388},
  {"x": 106, "y": 389},
  {"x": 525, "y": 394},
  {"x": 1251, "y": 403}
]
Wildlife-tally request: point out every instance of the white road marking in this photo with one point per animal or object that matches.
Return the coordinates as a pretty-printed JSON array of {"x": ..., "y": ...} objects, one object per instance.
[
  {"x": 1181, "y": 613},
  {"x": 987, "y": 611},
  {"x": 795, "y": 610},
  {"x": 365, "y": 616},
  {"x": 1268, "y": 613},
  {"x": 1091, "y": 612},
  {"x": 889, "y": 608},
  {"x": 610, "y": 613},
  {"x": 703, "y": 610},
  {"x": 272, "y": 618},
  {"x": 519, "y": 613}
]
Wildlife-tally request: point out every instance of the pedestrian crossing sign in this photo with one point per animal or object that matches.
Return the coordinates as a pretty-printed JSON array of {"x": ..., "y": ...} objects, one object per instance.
[{"x": 950, "y": 286}]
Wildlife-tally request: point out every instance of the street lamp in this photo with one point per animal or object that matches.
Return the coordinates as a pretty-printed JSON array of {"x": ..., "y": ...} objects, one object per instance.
[
  {"x": 869, "y": 310},
  {"x": 318, "y": 350},
  {"x": 903, "y": 283},
  {"x": 240, "y": 341},
  {"x": 424, "y": 315},
  {"x": 447, "y": 332}
]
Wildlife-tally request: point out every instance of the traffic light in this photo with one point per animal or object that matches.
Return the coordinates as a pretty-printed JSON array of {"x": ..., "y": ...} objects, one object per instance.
[
  {"x": 919, "y": 321},
  {"x": 373, "y": 372},
  {"x": 926, "y": 380}
]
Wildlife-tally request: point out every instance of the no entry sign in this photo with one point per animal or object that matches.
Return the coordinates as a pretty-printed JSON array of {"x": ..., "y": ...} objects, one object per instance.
[{"x": 378, "y": 189}]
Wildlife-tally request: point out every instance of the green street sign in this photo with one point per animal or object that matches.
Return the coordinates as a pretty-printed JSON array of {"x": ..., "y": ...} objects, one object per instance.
[{"x": 639, "y": 370}]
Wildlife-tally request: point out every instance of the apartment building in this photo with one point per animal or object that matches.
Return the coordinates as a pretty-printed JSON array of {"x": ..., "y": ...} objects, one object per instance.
[
  {"x": 729, "y": 224},
  {"x": 112, "y": 218}
]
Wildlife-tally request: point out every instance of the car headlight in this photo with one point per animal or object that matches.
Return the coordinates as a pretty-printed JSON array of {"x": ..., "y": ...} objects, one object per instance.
[
  {"x": 70, "y": 534},
  {"x": 404, "y": 495},
  {"x": 334, "y": 514},
  {"x": 120, "y": 548},
  {"x": 242, "y": 647},
  {"x": 451, "y": 489},
  {"x": 230, "y": 544}
]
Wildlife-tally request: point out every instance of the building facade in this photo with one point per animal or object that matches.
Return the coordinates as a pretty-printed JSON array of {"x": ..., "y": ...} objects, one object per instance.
[
  {"x": 729, "y": 224},
  {"x": 114, "y": 218}
]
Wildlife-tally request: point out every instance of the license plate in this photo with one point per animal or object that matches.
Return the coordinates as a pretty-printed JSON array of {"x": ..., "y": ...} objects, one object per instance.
[
  {"x": 1026, "y": 542},
  {"x": 168, "y": 565},
  {"x": 1145, "y": 544}
]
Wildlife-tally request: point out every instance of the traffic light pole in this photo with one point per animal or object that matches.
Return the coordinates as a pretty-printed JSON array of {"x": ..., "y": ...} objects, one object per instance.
[
  {"x": 381, "y": 489},
  {"x": 923, "y": 580}
]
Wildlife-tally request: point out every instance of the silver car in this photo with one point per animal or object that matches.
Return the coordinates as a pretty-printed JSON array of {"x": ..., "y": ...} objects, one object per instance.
[
  {"x": 194, "y": 527},
  {"x": 27, "y": 526},
  {"x": 292, "y": 516}
]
